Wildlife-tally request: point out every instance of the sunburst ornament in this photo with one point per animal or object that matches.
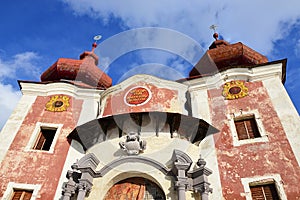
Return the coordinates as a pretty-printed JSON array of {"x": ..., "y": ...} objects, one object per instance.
[
  {"x": 58, "y": 103},
  {"x": 234, "y": 90}
]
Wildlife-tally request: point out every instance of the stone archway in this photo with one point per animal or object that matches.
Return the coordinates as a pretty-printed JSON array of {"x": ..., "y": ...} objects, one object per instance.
[{"x": 136, "y": 188}]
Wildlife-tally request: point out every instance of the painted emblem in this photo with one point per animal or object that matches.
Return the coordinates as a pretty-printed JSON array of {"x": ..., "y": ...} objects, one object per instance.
[
  {"x": 234, "y": 90},
  {"x": 137, "y": 96},
  {"x": 58, "y": 103}
]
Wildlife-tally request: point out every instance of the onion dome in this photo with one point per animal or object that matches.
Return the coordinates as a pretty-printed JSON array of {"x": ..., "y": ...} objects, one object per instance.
[
  {"x": 222, "y": 55},
  {"x": 83, "y": 72}
]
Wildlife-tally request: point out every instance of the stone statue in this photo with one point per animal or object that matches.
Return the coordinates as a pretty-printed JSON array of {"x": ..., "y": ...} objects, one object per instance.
[{"x": 133, "y": 145}]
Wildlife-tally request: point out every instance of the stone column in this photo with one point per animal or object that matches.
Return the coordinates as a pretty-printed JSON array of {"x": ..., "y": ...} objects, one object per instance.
[
  {"x": 69, "y": 187},
  {"x": 182, "y": 180},
  {"x": 84, "y": 188},
  {"x": 205, "y": 190}
]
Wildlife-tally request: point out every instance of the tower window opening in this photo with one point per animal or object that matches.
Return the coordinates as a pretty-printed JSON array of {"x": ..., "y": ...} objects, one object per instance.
[
  {"x": 264, "y": 192},
  {"x": 246, "y": 128},
  {"x": 20, "y": 194},
  {"x": 45, "y": 138}
]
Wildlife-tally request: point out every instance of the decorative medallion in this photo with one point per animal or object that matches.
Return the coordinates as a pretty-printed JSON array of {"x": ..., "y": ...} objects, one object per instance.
[
  {"x": 133, "y": 144},
  {"x": 234, "y": 90},
  {"x": 137, "y": 96},
  {"x": 58, "y": 103}
]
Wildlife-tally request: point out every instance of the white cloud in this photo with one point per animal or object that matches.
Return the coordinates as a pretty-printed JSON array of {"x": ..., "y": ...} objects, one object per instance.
[
  {"x": 158, "y": 45},
  {"x": 257, "y": 23},
  {"x": 19, "y": 66},
  {"x": 8, "y": 100},
  {"x": 297, "y": 49},
  {"x": 157, "y": 69}
]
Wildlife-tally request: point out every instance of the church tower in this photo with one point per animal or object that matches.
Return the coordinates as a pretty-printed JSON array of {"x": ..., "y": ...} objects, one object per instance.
[
  {"x": 227, "y": 131},
  {"x": 34, "y": 144},
  {"x": 257, "y": 148}
]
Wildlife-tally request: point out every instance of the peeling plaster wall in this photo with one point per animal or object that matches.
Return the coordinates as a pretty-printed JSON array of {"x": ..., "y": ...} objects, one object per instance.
[
  {"x": 200, "y": 109},
  {"x": 163, "y": 96},
  {"x": 42, "y": 167},
  {"x": 286, "y": 112},
  {"x": 252, "y": 159},
  {"x": 13, "y": 124}
]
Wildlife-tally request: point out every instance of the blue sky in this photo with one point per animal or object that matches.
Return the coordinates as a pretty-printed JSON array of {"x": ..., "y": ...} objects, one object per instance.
[{"x": 34, "y": 34}]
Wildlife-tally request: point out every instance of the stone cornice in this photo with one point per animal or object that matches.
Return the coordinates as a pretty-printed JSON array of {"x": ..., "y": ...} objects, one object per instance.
[
  {"x": 144, "y": 78},
  {"x": 247, "y": 74},
  {"x": 46, "y": 89}
]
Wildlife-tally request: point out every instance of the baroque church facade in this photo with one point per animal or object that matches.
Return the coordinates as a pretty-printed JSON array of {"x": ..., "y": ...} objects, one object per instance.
[{"x": 228, "y": 131}]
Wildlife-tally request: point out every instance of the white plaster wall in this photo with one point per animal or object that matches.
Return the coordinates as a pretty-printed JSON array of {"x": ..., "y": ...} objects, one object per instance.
[
  {"x": 159, "y": 149},
  {"x": 200, "y": 109},
  {"x": 286, "y": 112},
  {"x": 75, "y": 153},
  {"x": 14, "y": 122},
  {"x": 89, "y": 110}
]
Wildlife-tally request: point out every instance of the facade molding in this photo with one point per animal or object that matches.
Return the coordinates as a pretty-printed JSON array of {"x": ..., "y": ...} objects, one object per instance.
[
  {"x": 133, "y": 159},
  {"x": 246, "y": 74},
  {"x": 84, "y": 171},
  {"x": 263, "y": 179},
  {"x": 24, "y": 186},
  {"x": 263, "y": 135},
  {"x": 47, "y": 89},
  {"x": 143, "y": 78},
  {"x": 35, "y": 134}
]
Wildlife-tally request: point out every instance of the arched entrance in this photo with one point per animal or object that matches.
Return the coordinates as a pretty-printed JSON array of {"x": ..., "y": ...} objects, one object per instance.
[{"x": 136, "y": 188}]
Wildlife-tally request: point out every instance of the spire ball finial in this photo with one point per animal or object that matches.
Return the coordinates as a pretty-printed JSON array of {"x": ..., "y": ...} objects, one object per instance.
[{"x": 216, "y": 36}]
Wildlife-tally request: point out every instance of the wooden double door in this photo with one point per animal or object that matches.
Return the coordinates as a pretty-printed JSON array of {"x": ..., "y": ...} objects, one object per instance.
[{"x": 135, "y": 189}]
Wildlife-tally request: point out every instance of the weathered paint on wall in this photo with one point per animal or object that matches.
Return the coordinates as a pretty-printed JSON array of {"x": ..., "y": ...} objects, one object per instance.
[
  {"x": 200, "y": 109},
  {"x": 253, "y": 159},
  {"x": 159, "y": 99},
  {"x": 42, "y": 167}
]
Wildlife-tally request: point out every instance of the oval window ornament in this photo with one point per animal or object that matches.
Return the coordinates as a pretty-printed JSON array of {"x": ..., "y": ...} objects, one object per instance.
[
  {"x": 137, "y": 96},
  {"x": 58, "y": 103},
  {"x": 234, "y": 90}
]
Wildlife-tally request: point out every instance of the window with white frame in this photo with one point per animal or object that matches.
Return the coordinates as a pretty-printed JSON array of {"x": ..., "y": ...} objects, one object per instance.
[
  {"x": 44, "y": 137},
  {"x": 246, "y": 127},
  {"x": 20, "y": 191},
  {"x": 267, "y": 187}
]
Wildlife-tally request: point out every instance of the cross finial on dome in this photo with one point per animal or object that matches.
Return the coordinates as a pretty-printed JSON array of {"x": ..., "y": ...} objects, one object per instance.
[
  {"x": 214, "y": 27},
  {"x": 96, "y": 38}
]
